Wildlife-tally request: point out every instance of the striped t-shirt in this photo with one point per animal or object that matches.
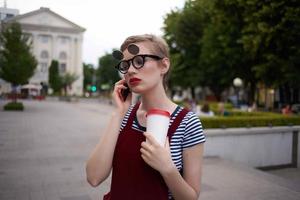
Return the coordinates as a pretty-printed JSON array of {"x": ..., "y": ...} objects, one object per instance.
[{"x": 188, "y": 133}]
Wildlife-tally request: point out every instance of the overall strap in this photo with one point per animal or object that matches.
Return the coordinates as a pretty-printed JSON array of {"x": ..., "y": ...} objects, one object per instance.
[
  {"x": 132, "y": 114},
  {"x": 177, "y": 122}
]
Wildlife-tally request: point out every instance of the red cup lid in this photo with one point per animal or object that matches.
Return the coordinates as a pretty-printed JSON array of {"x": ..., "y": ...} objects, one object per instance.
[{"x": 158, "y": 112}]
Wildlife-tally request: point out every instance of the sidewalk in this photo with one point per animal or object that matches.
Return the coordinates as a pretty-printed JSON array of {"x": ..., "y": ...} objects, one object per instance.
[{"x": 43, "y": 152}]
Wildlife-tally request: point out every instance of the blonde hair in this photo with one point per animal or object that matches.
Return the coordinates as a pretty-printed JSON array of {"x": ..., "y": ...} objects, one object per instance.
[{"x": 160, "y": 47}]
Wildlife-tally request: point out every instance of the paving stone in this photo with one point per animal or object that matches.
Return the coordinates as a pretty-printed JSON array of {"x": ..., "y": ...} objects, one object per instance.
[
  {"x": 43, "y": 151},
  {"x": 37, "y": 195}
]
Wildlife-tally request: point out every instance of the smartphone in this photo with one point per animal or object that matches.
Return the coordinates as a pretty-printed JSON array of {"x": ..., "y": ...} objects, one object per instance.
[{"x": 125, "y": 92}]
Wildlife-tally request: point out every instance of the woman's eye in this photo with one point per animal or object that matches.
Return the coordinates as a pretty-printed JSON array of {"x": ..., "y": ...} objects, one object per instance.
[
  {"x": 138, "y": 61},
  {"x": 124, "y": 65}
]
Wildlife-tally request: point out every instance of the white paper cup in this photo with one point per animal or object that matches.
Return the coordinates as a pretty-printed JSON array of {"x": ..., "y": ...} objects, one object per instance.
[{"x": 158, "y": 124}]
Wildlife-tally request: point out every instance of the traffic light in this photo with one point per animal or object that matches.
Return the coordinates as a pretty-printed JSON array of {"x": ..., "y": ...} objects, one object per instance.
[{"x": 93, "y": 88}]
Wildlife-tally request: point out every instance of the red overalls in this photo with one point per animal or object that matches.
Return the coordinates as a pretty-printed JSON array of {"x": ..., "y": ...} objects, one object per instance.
[{"x": 132, "y": 178}]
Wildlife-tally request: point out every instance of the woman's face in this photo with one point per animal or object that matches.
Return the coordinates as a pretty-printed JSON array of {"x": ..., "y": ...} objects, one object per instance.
[{"x": 149, "y": 76}]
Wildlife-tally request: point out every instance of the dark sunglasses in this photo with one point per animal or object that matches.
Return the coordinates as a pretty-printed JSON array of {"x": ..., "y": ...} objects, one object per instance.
[{"x": 137, "y": 62}]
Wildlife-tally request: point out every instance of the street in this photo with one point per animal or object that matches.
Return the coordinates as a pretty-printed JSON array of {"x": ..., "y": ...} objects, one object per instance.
[{"x": 43, "y": 151}]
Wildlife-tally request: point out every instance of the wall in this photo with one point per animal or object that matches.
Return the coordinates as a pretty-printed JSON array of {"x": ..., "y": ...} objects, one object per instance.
[{"x": 256, "y": 147}]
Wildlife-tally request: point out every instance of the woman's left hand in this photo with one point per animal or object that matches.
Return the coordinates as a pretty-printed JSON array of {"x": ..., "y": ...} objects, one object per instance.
[{"x": 157, "y": 156}]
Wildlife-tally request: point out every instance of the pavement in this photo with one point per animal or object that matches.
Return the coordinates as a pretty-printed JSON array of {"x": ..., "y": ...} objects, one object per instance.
[{"x": 43, "y": 151}]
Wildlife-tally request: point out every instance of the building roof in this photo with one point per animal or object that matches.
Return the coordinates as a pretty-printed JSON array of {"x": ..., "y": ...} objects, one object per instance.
[{"x": 43, "y": 10}]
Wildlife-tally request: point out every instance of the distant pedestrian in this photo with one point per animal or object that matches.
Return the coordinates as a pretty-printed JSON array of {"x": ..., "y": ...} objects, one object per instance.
[
  {"x": 146, "y": 170},
  {"x": 190, "y": 104},
  {"x": 252, "y": 107},
  {"x": 286, "y": 110},
  {"x": 221, "y": 109},
  {"x": 205, "y": 111}
]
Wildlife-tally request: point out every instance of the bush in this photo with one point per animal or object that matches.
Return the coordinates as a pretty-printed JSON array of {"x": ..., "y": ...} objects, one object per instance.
[
  {"x": 254, "y": 121},
  {"x": 215, "y": 106},
  {"x": 236, "y": 113},
  {"x": 14, "y": 106}
]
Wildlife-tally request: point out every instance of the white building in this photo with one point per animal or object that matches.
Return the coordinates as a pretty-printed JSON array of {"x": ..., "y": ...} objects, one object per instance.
[
  {"x": 53, "y": 38},
  {"x": 6, "y": 13}
]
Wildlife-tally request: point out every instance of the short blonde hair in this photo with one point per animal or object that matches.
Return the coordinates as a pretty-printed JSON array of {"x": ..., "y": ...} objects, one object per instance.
[{"x": 160, "y": 47}]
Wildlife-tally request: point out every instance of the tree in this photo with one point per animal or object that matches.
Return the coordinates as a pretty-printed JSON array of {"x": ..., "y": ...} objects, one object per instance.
[
  {"x": 271, "y": 39},
  {"x": 55, "y": 81},
  {"x": 17, "y": 64},
  {"x": 212, "y": 42},
  {"x": 67, "y": 80},
  {"x": 106, "y": 72},
  {"x": 88, "y": 75},
  {"x": 201, "y": 39},
  {"x": 183, "y": 32}
]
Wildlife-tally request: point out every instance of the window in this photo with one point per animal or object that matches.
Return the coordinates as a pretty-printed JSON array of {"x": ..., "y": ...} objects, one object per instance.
[
  {"x": 64, "y": 40},
  {"x": 62, "y": 68},
  {"x": 44, "y": 38},
  {"x": 9, "y": 16},
  {"x": 62, "y": 55},
  {"x": 29, "y": 36},
  {"x": 44, "y": 54},
  {"x": 44, "y": 67}
]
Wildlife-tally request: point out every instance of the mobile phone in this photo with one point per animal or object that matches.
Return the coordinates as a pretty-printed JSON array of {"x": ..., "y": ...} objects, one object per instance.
[{"x": 125, "y": 92}]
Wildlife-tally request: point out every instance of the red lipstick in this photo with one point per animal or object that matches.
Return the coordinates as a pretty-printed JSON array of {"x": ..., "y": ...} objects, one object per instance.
[{"x": 134, "y": 81}]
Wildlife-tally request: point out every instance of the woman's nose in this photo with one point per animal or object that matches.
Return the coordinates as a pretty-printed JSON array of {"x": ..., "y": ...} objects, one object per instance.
[{"x": 131, "y": 68}]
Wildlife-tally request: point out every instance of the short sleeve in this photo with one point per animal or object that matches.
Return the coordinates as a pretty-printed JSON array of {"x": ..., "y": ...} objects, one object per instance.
[
  {"x": 193, "y": 133},
  {"x": 126, "y": 117}
]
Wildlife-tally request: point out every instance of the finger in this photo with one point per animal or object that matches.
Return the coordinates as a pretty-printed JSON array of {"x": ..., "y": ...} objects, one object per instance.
[
  {"x": 119, "y": 87},
  {"x": 167, "y": 144},
  {"x": 145, "y": 152},
  {"x": 118, "y": 90},
  {"x": 150, "y": 138},
  {"x": 145, "y": 159},
  {"x": 146, "y": 146},
  {"x": 120, "y": 82}
]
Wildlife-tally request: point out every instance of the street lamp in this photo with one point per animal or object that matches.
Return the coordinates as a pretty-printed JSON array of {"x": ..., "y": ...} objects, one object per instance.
[{"x": 237, "y": 82}]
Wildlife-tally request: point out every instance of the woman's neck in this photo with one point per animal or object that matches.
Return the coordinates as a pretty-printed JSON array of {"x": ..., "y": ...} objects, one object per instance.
[{"x": 156, "y": 98}]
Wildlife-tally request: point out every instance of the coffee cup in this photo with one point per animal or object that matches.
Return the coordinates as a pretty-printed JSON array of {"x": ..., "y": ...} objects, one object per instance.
[{"x": 158, "y": 124}]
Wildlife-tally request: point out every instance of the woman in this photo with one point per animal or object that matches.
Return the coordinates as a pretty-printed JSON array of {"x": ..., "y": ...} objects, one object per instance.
[{"x": 147, "y": 170}]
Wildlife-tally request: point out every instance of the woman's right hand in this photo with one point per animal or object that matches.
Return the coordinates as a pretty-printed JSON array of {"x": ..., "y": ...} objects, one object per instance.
[{"x": 122, "y": 106}]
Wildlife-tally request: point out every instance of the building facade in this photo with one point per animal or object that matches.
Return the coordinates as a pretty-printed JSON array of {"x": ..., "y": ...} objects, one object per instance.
[
  {"x": 53, "y": 38},
  {"x": 6, "y": 13}
]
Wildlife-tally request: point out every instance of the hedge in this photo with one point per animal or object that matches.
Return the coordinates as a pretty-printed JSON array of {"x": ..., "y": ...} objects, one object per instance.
[
  {"x": 11, "y": 106},
  {"x": 254, "y": 121},
  {"x": 236, "y": 113}
]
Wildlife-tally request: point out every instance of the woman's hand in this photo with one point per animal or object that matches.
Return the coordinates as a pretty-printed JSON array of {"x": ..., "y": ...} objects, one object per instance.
[
  {"x": 122, "y": 106},
  {"x": 157, "y": 156}
]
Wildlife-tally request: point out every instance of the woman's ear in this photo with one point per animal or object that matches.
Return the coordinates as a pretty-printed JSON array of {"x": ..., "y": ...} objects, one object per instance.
[{"x": 165, "y": 65}]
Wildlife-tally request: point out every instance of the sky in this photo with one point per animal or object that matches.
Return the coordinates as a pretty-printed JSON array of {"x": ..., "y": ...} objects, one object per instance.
[{"x": 107, "y": 22}]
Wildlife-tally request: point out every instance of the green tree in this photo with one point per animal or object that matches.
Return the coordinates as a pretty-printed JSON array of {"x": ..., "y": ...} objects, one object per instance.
[
  {"x": 183, "y": 32},
  {"x": 271, "y": 39},
  {"x": 67, "y": 80},
  {"x": 55, "y": 80},
  {"x": 89, "y": 73},
  {"x": 17, "y": 64},
  {"x": 214, "y": 41},
  {"x": 106, "y": 72},
  {"x": 203, "y": 38}
]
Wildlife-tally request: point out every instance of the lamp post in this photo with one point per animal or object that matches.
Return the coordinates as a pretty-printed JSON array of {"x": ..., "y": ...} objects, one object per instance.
[{"x": 237, "y": 82}]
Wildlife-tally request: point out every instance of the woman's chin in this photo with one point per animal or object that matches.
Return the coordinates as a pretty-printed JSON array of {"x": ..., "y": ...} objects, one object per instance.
[{"x": 137, "y": 90}]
